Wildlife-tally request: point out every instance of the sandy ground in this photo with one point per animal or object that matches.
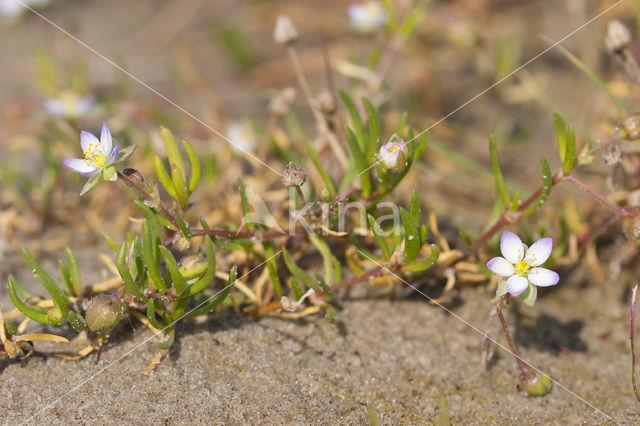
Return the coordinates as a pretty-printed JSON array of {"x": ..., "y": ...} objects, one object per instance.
[{"x": 399, "y": 357}]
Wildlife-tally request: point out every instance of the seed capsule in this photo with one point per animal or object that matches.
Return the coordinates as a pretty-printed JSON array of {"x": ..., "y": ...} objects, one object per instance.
[
  {"x": 102, "y": 313},
  {"x": 630, "y": 127}
]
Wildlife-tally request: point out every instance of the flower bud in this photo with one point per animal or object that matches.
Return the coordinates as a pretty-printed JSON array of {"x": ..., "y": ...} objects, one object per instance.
[
  {"x": 630, "y": 127},
  {"x": 102, "y": 313},
  {"x": 285, "y": 32},
  {"x": 192, "y": 266},
  {"x": 535, "y": 383},
  {"x": 294, "y": 175},
  {"x": 618, "y": 36},
  {"x": 393, "y": 154}
]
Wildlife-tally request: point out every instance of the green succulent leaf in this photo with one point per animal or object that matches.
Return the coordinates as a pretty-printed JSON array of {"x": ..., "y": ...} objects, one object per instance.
[
  {"x": 298, "y": 272},
  {"x": 424, "y": 264},
  {"x": 60, "y": 300},
  {"x": 76, "y": 321},
  {"x": 215, "y": 302},
  {"x": 36, "y": 313},
  {"x": 196, "y": 168},
  {"x": 164, "y": 178},
  {"x": 179, "y": 283},
  {"x": 331, "y": 187},
  {"x": 411, "y": 236},
  {"x": 125, "y": 273},
  {"x": 501, "y": 187},
  {"x": 379, "y": 237},
  {"x": 358, "y": 127},
  {"x": 361, "y": 162},
  {"x": 547, "y": 183}
]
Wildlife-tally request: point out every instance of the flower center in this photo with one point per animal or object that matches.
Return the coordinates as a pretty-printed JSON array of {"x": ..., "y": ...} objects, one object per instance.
[
  {"x": 91, "y": 156},
  {"x": 521, "y": 268}
]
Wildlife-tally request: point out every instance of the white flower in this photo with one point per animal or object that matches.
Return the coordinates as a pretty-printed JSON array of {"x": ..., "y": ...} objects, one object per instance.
[
  {"x": 98, "y": 154},
  {"x": 368, "y": 16},
  {"x": 69, "y": 105},
  {"x": 519, "y": 267},
  {"x": 393, "y": 154},
  {"x": 13, "y": 9},
  {"x": 242, "y": 137}
]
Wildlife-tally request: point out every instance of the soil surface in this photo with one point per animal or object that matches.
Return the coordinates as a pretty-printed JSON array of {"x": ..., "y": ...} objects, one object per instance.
[{"x": 410, "y": 361}]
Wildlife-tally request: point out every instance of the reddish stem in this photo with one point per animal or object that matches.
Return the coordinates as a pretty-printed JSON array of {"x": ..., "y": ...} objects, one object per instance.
[
  {"x": 514, "y": 351},
  {"x": 369, "y": 275},
  {"x": 616, "y": 208},
  {"x": 631, "y": 337},
  {"x": 507, "y": 217},
  {"x": 143, "y": 192},
  {"x": 239, "y": 234},
  {"x": 611, "y": 139}
]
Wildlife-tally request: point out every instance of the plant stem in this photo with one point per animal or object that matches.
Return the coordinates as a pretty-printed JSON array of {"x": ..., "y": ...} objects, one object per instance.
[
  {"x": 132, "y": 183},
  {"x": 364, "y": 277},
  {"x": 631, "y": 338},
  {"x": 611, "y": 139},
  {"x": 242, "y": 234},
  {"x": 317, "y": 115},
  {"x": 595, "y": 194},
  {"x": 509, "y": 217},
  {"x": 514, "y": 351}
]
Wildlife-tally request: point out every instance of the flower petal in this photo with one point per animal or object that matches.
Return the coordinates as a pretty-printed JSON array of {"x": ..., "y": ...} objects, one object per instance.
[
  {"x": 106, "y": 142},
  {"x": 54, "y": 107},
  {"x": 511, "y": 247},
  {"x": 516, "y": 284},
  {"x": 87, "y": 139},
  {"x": 543, "y": 277},
  {"x": 114, "y": 155},
  {"x": 81, "y": 167},
  {"x": 500, "y": 266},
  {"x": 539, "y": 252}
]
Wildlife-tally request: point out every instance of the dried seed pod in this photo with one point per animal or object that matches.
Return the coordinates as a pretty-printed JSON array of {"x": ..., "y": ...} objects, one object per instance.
[
  {"x": 631, "y": 224},
  {"x": 630, "y": 127},
  {"x": 611, "y": 154},
  {"x": 325, "y": 102},
  {"x": 285, "y": 32},
  {"x": 288, "y": 304},
  {"x": 281, "y": 104},
  {"x": 294, "y": 175},
  {"x": 618, "y": 36}
]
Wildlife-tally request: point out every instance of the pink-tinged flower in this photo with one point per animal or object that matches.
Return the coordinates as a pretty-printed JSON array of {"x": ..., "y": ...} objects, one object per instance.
[
  {"x": 98, "y": 154},
  {"x": 367, "y": 17},
  {"x": 393, "y": 154},
  {"x": 520, "y": 267},
  {"x": 69, "y": 105}
]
